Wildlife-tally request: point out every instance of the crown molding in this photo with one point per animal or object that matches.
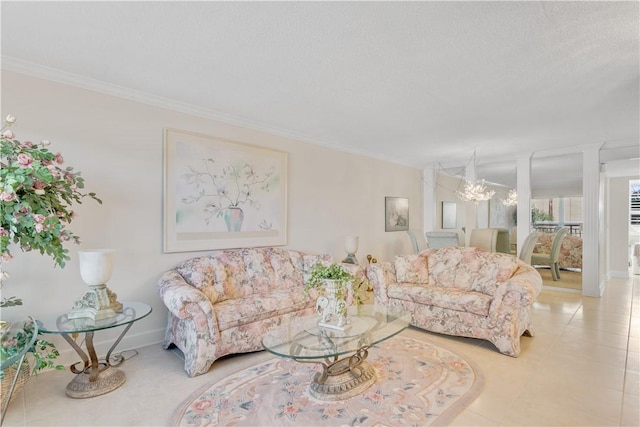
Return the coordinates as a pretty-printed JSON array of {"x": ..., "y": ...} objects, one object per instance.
[{"x": 43, "y": 72}]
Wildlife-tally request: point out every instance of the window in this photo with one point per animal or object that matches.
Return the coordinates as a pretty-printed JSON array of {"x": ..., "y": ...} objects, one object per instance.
[{"x": 634, "y": 202}]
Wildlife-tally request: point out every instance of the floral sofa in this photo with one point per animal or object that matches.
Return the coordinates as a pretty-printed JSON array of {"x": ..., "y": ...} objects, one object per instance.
[
  {"x": 224, "y": 303},
  {"x": 461, "y": 291},
  {"x": 570, "y": 249}
]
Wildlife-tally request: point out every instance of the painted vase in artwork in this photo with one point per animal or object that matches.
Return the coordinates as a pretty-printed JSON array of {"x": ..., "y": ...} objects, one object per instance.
[{"x": 233, "y": 217}]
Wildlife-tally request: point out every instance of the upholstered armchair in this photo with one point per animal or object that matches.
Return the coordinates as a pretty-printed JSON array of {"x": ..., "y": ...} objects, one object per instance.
[
  {"x": 551, "y": 259},
  {"x": 528, "y": 245}
]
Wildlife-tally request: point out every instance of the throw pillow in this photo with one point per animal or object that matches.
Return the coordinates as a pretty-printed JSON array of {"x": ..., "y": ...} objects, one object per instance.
[{"x": 412, "y": 269}]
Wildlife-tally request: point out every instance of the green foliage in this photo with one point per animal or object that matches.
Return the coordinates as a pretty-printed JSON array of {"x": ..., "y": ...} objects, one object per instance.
[
  {"x": 11, "y": 302},
  {"x": 539, "y": 215},
  {"x": 43, "y": 353},
  {"x": 320, "y": 272}
]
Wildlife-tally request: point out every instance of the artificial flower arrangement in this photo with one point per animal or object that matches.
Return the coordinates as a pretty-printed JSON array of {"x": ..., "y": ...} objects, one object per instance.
[{"x": 36, "y": 195}]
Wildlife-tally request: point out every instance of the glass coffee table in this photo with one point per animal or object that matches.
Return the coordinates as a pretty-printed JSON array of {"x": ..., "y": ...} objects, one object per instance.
[
  {"x": 342, "y": 354},
  {"x": 93, "y": 377}
]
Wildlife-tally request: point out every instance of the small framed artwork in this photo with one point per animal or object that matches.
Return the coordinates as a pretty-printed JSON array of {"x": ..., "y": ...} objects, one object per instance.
[
  {"x": 449, "y": 215},
  {"x": 222, "y": 194},
  {"x": 396, "y": 214}
]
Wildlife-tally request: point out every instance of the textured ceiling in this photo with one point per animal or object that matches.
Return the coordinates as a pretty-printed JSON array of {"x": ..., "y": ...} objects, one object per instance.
[{"x": 413, "y": 82}]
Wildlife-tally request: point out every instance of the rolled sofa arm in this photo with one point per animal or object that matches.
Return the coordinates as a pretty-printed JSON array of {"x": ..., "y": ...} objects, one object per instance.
[
  {"x": 521, "y": 289},
  {"x": 380, "y": 275},
  {"x": 186, "y": 302}
]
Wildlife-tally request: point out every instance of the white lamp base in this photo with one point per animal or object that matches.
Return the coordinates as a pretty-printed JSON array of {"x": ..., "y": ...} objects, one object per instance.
[{"x": 350, "y": 259}]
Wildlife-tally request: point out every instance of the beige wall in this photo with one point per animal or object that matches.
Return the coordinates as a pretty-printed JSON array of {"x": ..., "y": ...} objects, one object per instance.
[
  {"x": 446, "y": 188},
  {"x": 117, "y": 145}
]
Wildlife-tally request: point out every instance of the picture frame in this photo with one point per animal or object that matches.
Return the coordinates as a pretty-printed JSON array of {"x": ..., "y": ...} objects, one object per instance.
[
  {"x": 396, "y": 214},
  {"x": 497, "y": 213},
  {"x": 449, "y": 215},
  {"x": 221, "y": 194}
]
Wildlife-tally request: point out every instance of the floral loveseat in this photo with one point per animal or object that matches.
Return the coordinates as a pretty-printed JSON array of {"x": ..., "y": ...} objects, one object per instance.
[
  {"x": 225, "y": 302},
  {"x": 461, "y": 291}
]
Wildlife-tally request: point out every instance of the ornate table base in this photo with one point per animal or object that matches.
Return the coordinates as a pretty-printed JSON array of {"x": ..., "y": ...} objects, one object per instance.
[
  {"x": 95, "y": 378},
  {"x": 82, "y": 387},
  {"x": 344, "y": 378}
]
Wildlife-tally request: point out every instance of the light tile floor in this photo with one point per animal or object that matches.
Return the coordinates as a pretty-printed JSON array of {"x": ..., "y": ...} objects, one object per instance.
[{"x": 581, "y": 368}]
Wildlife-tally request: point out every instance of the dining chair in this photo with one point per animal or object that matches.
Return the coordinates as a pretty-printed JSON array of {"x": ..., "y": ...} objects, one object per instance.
[
  {"x": 441, "y": 239},
  {"x": 502, "y": 241},
  {"x": 528, "y": 245},
  {"x": 551, "y": 259},
  {"x": 418, "y": 242},
  {"x": 485, "y": 238}
]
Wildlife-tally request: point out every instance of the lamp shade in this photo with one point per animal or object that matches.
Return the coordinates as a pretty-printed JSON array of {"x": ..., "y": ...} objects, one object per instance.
[
  {"x": 96, "y": 265},
  {"x": 351, "y": 244}
]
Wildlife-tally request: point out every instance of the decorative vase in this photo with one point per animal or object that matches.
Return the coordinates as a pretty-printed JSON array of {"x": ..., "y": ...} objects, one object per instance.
[
  {"x": 332, "y": 306},
  {"x": 96, "y": 267},
  {"x": 233, "y": 217}
]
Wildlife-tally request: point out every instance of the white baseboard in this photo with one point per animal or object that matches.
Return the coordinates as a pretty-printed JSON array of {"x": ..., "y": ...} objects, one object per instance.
[{"x": 622, "y": 274}]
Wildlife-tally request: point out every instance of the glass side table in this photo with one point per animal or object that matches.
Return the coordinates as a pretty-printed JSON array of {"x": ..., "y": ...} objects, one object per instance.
[
  {"x": 16, "y": 341},
  {"x": 93, "y": 377}
]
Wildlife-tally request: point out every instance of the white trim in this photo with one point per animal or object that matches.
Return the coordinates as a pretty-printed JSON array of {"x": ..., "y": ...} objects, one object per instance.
[
  {"x": 592, "y": 230},
  {"x": 55, "y": 75},
  {"x": 622, "y": 274}
]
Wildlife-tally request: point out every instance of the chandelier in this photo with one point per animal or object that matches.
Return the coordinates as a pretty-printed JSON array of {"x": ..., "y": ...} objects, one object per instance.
[
  {"x": 475, "y": 191},
  {"x": 512, "y": 198}
]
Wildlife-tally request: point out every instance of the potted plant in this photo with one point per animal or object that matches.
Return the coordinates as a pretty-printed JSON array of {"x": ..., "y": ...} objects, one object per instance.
[
  {"x": 336, "y": 295},
  {"x": 36, "y": 196}
]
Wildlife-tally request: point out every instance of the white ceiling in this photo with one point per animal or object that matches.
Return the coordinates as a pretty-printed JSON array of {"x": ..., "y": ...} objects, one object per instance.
[{"x": 417, "y": 83}]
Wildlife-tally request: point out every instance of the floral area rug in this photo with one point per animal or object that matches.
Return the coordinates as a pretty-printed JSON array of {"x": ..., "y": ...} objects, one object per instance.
[{"x": 418, "y": 384}]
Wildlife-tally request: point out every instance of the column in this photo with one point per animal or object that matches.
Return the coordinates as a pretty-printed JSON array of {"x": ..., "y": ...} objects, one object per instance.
[
  {"x": 591, "y": 233},
  {"x": 523, "y": 183},
  {"x": 429, "y": 179}
]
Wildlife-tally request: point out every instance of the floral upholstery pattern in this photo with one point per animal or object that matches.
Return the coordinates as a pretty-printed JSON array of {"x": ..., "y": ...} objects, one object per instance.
[
  {"x": 570, "y": 249},
  {"x": 412, "y": 269},
  {"x": 225, "y": 302},
  {"x": 471, "y": 293}
]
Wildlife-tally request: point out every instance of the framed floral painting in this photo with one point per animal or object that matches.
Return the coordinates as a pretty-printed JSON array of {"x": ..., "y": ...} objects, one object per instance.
[{"x": 221, "y": 194}]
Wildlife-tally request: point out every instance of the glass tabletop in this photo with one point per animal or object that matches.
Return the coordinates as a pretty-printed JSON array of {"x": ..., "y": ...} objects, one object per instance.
[
  {"x": 17, "y": 339},
  {"x": 304, "y": 339},
  {"x": 131, "y": 312}
]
